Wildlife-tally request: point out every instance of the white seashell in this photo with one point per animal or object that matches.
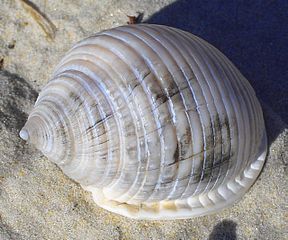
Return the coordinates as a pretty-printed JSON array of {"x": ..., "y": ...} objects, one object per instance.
[{"x": 154, "y": 121}]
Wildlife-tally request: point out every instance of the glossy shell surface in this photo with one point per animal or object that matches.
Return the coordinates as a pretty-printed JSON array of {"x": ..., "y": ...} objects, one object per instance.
[{"x": 154, "y": 121}]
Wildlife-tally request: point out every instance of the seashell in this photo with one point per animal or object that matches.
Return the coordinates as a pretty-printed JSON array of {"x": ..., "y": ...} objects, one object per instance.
[{"x": 155, "y": 122}]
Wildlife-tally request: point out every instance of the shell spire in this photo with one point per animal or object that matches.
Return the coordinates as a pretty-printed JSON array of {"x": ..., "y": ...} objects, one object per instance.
[
  {"x": 154, "y": 121},
  {"x": 44, "y": 129},
  {"x": 33, "y": 133}
]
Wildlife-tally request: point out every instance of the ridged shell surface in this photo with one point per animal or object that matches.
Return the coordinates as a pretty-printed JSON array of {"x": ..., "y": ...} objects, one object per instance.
[{"x": 154, "y": 121}]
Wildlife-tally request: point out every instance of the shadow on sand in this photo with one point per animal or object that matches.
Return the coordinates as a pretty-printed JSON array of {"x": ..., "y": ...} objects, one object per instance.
[
  {"x": 225, "y": 230},
  {"x": 252, "y": 34}
]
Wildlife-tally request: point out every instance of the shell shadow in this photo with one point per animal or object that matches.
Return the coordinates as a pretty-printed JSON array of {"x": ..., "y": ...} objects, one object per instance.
[
  {"x": 224, "y": 230},
  {"x": 18, "y": 98},
  {"x": 7, "y": 233},
  {"x": 17, "y": 94},
  {"x": 251, "y": 35}
]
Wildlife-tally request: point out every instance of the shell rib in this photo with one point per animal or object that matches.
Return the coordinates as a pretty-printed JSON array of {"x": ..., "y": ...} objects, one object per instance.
[{"x": 154, "y": 121}]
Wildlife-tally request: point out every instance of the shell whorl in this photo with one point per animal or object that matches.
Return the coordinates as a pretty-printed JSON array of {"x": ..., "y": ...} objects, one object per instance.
[{"x": 154, "y": 121}]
